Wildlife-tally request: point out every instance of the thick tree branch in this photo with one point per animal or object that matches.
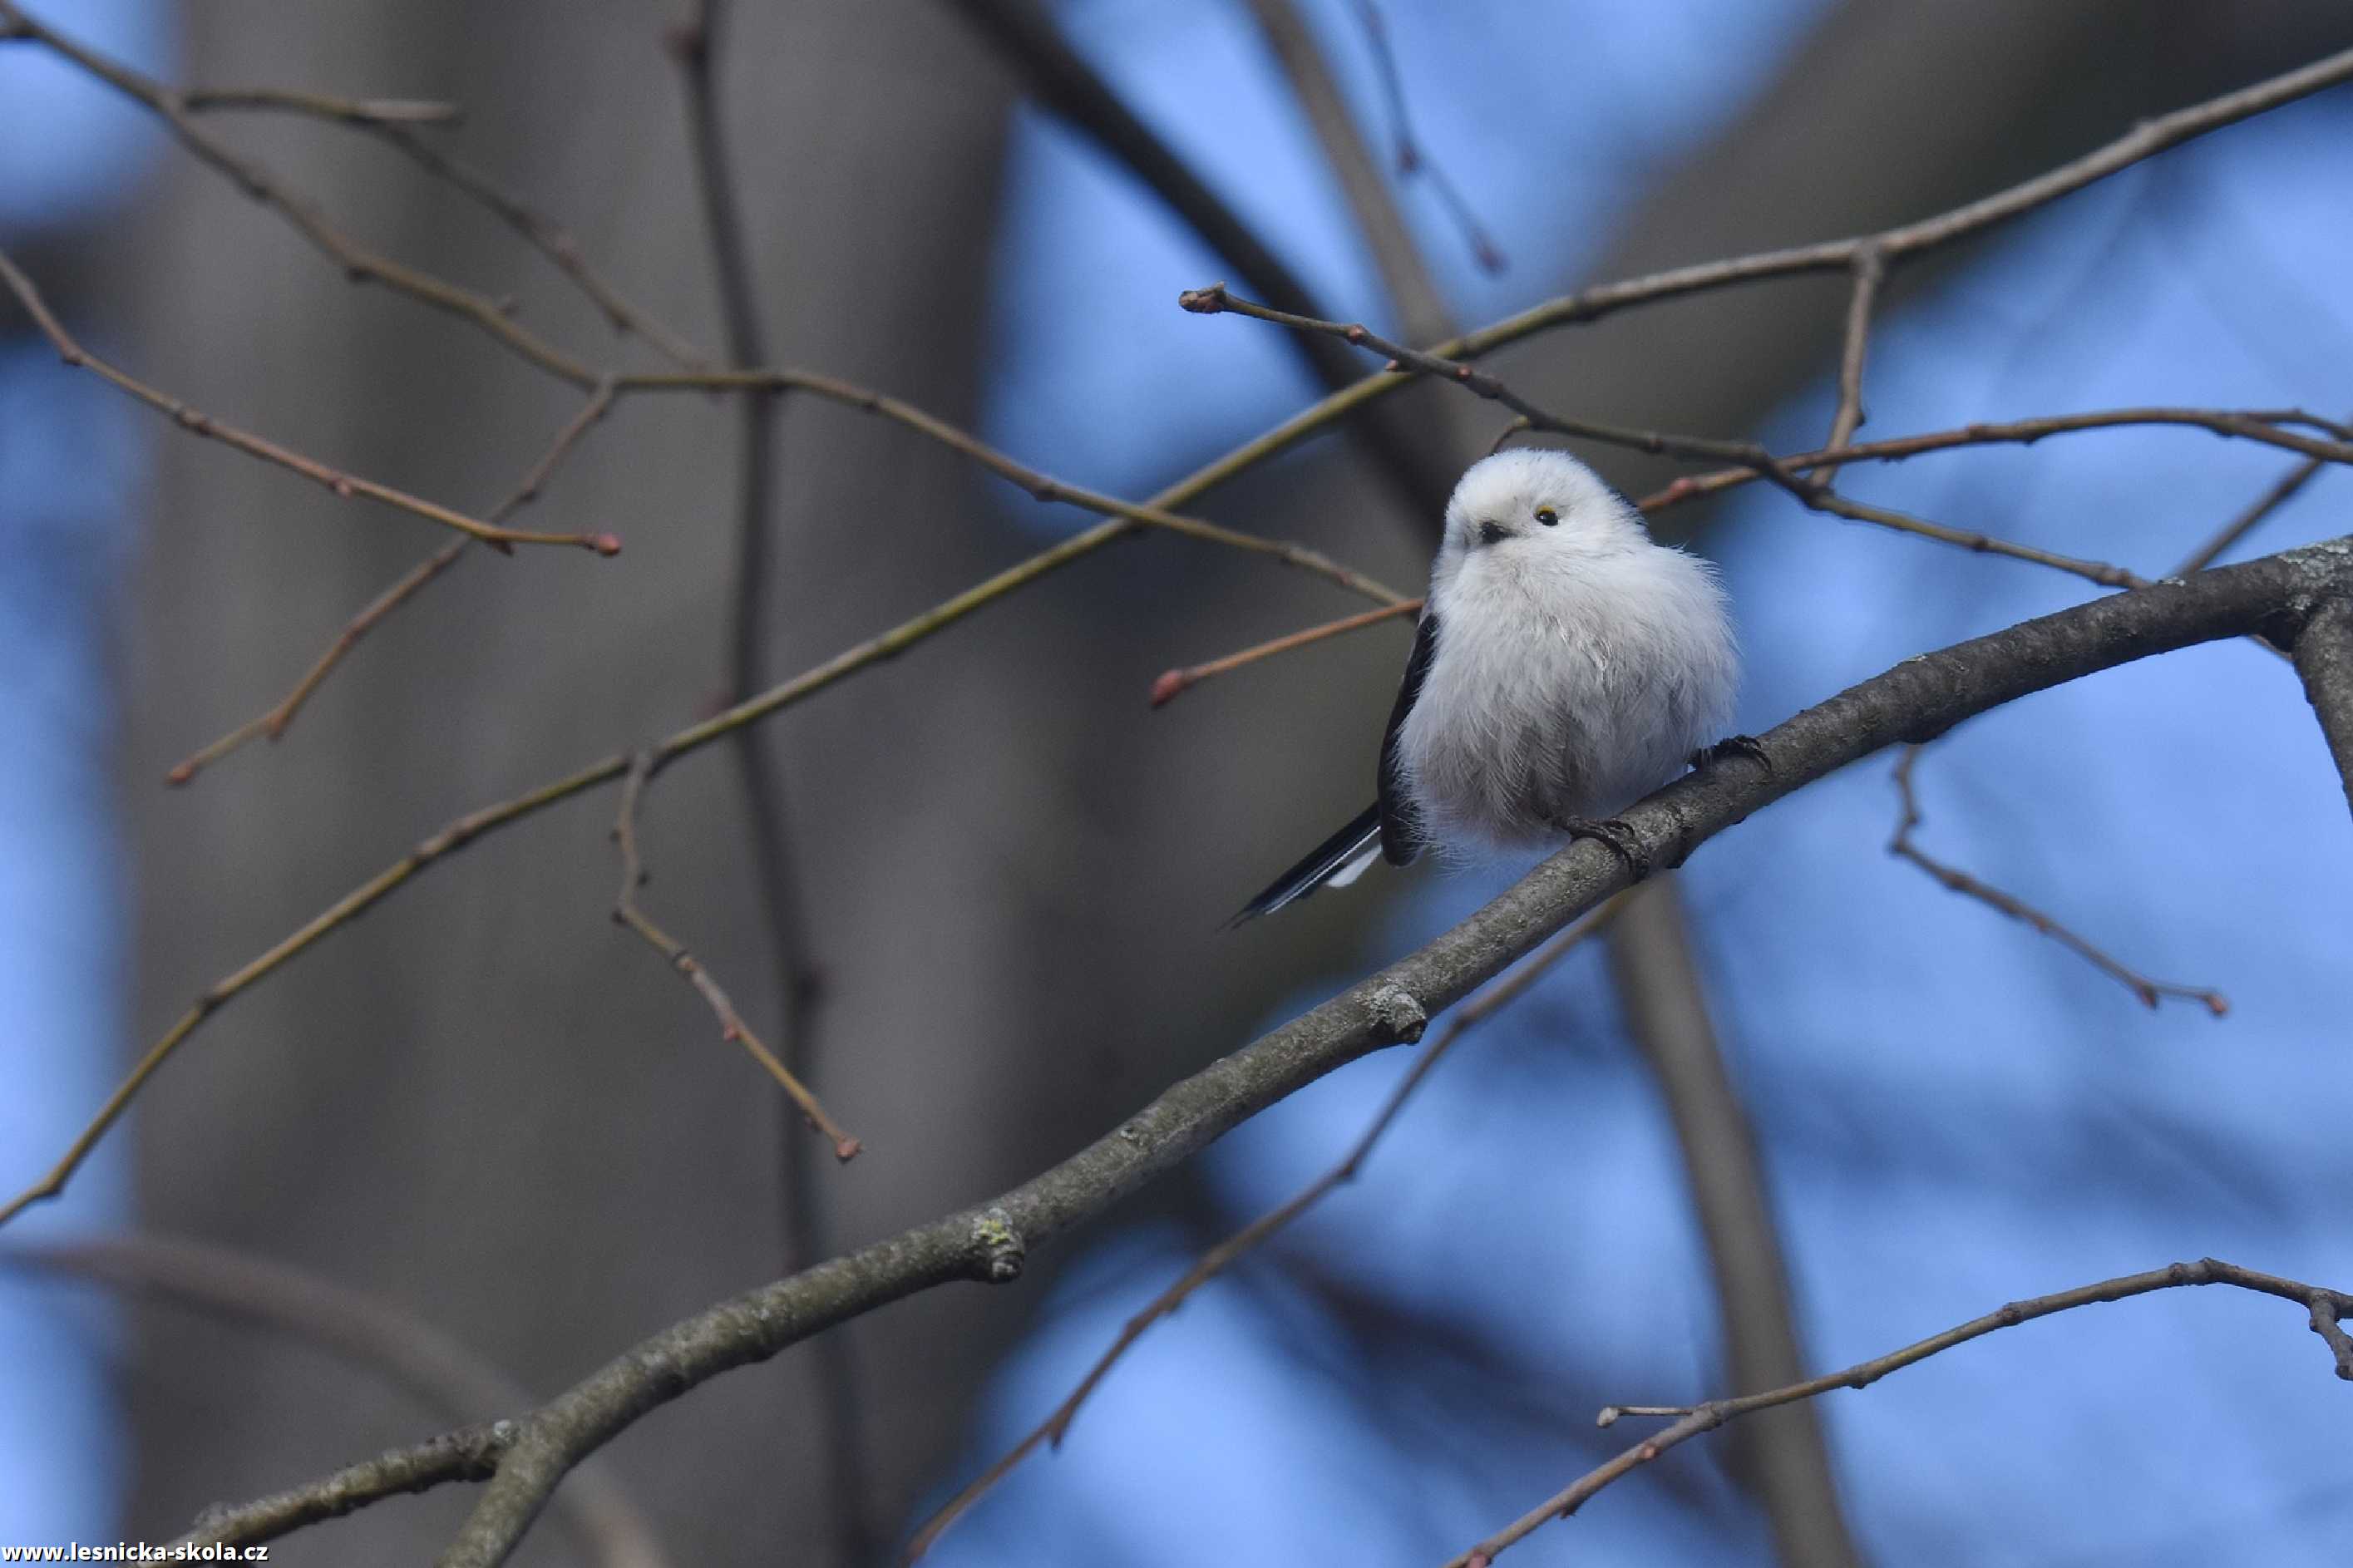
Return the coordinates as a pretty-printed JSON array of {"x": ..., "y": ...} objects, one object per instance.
[
  {"x": 2325, "y": 1308},
  {"x": 1919, "y": 699},
  {"x": 2323, "y": 658}
]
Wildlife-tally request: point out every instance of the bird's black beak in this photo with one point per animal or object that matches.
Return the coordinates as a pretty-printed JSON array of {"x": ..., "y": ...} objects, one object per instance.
[{"x": 1492, "y": 533}]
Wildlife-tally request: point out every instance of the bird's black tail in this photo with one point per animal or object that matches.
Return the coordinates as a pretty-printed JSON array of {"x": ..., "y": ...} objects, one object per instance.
[{"x": 1337, "y": 860}]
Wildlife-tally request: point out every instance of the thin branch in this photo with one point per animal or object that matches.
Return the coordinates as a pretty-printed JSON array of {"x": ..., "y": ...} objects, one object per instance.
[
  {"x": 468, "y": 1454},
  {"x": 2149, "y": 991},
  {"x": 390, "y": 123},
  {"x": 200, "y": 424},
  {"x": 1041, "y": 487},
  {"x": 1174, "y": 682},
  {"x": 2281, "y": 491},
  {"x": 1218, "y": 1258},
  {"x": 732, "y": 1026},
  {"x": 2325, "y": 1308},
  {"x": 1062, "y": 81},
  {"x": 366, "y": 1330},
  {"x": 367, "y": 113},
  {"x": 1412, "y": 291},
  {"x": 273, "y": 723},
  {"x": 1412, "y": 158},
  {"x": 1869, "y": 271},
  {"x": 2323, "y": 658},
  {"x": 2265, "y": 429},
  {"x": 2101, "y": 572},
  {"x": 358, "y": 263}
]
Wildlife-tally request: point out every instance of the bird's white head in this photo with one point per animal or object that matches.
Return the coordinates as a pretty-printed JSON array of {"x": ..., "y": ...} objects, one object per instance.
[{"x": 1529, "y": 499}]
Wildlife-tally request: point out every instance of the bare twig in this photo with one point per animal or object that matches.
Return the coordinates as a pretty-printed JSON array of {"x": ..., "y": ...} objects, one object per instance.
[
  {"x": 2281, "y": 491},
  {"x": 273, "y": 723},
  {"x": 2265, "y": 429},
  {"x": 390, "y": 123},
  {"x": 1173, "y": 682},
  {"x": 1153, "y": 513},
  {"x": 451, "y": 1380},
  {"x": 1062, "y": 80},
  {"x": 468, "y": 1454},
  {"x": 1412, "y": 158},
  {"x": 367, "y": 113},
  {"x": 200, "y": 424},
  {"x": 1959, "y": 881},
  {"x": 2325, "y": 1308},
  {"x": 1223, "y": 1255},
  {"x": 358, "y": 263},
  {"x": 1420, "y": 308},
  {"x": 1863, "y": 299},
  {"x": 732, "y": 1026}
]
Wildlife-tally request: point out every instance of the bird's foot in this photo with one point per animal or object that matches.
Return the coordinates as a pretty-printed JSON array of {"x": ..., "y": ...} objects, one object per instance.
[
  {"x": 1620, "y": 837},
  {"x": 1733, "y": 746}
]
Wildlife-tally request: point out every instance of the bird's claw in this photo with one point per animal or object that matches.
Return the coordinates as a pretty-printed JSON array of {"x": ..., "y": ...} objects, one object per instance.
[
  {"x": 1620, "y": 838},
  {"x": 1733, "y": 746}
]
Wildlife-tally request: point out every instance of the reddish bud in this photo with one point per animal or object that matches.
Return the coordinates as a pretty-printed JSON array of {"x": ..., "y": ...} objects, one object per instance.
[
  {"x": 1170, "y": 683},
  {"x": 180, "y": 774},
  {"x": 846, "y": 1149},
  {"x": 605, "y": 543}
]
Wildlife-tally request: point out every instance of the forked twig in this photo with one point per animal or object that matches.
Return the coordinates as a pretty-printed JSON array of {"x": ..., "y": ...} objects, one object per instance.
[
  {"x": 272, "y": 724},
  {"x": 2150, "y": 991},
  {"x": 731, "y": 1023},
  {"x": 2326, "y": 1311}
]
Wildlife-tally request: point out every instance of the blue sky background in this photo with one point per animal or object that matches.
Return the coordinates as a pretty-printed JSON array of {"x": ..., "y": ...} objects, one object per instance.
[
  {"x": 72, "y": 471},
  {"x": 1953, "y": 1111}
]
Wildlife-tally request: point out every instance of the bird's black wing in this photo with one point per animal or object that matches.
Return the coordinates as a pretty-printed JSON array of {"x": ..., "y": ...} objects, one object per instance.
[{"x": 1401, "y": 838}]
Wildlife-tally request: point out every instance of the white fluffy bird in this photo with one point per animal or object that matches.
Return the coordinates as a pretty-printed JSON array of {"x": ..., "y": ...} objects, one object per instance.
[{"x": 1565, "y": 666}]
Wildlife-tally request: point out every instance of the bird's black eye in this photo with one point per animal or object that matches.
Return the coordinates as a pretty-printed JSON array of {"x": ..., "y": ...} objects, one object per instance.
[{"x": 1546, "y": 516}]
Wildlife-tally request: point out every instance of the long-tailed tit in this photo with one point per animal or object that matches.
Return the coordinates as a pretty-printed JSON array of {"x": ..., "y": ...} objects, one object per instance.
[{"x": 1563, "y": 668}]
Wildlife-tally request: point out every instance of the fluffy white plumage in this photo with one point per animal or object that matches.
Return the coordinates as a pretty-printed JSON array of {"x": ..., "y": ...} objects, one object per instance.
[
  {"x": 1565, "y": 666},
  {"x": 1578, "y": 665}
]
